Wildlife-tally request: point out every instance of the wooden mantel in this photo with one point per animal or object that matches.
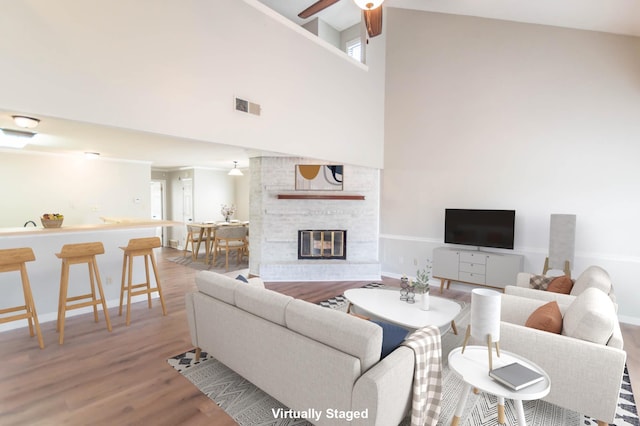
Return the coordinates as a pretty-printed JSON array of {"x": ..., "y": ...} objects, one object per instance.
[{"x": 319, "y": 197}]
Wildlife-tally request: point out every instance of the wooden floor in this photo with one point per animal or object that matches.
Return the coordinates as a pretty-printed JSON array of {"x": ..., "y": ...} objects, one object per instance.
[{"x": 122, "y": 377}]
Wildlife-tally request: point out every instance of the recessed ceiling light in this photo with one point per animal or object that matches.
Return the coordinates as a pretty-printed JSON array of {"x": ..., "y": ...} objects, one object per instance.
[{"x": 25, "y": 122}]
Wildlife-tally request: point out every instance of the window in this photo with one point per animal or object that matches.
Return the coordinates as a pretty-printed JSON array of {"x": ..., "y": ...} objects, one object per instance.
[{"x": 354, "y": 49}]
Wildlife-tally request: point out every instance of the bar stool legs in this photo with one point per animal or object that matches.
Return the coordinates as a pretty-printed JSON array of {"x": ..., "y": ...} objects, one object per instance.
[
  {"x": 72, "y": 254},
  {"x": 139, "y": 247},
  {"x": 14, "y": 260}
]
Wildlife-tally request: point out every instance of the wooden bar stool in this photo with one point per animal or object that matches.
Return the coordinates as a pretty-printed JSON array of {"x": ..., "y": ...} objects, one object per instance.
[
  {"x": 15, "y": 260},
  {"x": 140, "y": 247},
  {"x": 72, "y": 254}
]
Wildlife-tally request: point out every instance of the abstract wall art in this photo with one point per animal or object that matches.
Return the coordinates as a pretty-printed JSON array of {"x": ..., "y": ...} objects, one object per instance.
[{"x": 319, "y": 177}]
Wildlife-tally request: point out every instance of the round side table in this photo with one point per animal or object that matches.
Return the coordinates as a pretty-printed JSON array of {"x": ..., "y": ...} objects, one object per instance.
[{"x": 472, "y": 367}]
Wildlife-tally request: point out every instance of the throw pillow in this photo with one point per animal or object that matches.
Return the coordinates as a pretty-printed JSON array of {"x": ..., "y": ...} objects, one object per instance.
[
  {"x": 242, "y": 278},
  {"x": 392, "y": 336},
  {"x": 591, "y": 316},
  {"x": 539, "y": 282},
  {"x": 546, "y": 318},
  {"x": 561, "y": 284}
]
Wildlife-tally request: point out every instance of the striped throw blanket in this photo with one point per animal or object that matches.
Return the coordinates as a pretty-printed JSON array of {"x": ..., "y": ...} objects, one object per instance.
[{"x": 427, "y": 381}]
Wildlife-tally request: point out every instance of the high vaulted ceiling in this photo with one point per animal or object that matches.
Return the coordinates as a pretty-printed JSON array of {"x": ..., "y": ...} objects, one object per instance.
[
  {"x": 614, "y": 16},
  {"x": 63, "y": 136}
]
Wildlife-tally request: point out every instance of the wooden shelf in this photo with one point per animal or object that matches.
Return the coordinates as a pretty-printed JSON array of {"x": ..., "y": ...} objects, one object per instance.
[{"x": 319, "y": 197}]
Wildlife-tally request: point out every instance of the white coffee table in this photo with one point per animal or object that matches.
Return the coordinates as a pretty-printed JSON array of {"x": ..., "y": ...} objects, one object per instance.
[
  {"x": 385, "y": 304},
  {"x": 473, "y": 367}
]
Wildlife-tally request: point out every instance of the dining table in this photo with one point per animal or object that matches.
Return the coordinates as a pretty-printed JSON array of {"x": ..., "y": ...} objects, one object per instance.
[{"x": 207, "y": 234}]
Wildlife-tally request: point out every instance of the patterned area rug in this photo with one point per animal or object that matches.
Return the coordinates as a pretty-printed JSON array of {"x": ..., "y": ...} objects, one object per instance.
[
  {"x": 200, "y": 265},
  {"x": 249, "y": 406}
]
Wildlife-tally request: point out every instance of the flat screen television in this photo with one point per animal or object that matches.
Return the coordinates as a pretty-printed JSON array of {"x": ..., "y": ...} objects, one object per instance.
[{"x": 482, "y": 228}]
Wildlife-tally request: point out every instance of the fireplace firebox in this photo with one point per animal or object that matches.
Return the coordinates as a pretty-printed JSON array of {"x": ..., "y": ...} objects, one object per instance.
[{"x": 322, "y": 244}]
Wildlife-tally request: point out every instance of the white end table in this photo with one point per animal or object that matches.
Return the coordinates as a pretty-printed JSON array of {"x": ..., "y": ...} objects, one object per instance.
[{"x": 473, "y": 368}]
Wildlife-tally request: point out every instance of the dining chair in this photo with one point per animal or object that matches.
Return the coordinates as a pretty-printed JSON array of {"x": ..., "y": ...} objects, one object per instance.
[
  {"x": 230, "y": 238},
  {"x": 193, "y": 238}
]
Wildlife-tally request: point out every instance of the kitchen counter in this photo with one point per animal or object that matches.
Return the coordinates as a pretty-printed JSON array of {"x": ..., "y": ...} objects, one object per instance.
[
  {"x": 110, "y": 223},
  {"x": 44, "y": 272}
]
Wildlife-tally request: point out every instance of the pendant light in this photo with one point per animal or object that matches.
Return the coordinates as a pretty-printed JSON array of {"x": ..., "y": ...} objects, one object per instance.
[{"x": 235, "y": 171}]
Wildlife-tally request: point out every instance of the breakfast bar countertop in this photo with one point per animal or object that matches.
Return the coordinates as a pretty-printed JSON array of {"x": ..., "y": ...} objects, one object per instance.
[{"x": 110, "y": 223}]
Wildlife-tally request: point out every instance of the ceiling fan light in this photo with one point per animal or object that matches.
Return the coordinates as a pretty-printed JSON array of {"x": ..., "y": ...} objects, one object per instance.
[
  {"x": 25, "y": 122},
  {"x": 368, "y": 4},
  {"x": 18, "y": 139},
  {"x": 235, "y": 171}
]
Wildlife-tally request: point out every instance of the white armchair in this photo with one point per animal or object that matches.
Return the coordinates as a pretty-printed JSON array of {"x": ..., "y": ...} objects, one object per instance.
[{"x": 585, "y": 376}]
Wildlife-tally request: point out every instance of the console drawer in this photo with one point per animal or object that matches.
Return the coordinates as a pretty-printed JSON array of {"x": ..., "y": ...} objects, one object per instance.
[
  {"x": 475, "y": 268},
  {"x": 470, "y": 277},
  {"x": 472, "y": 257}
]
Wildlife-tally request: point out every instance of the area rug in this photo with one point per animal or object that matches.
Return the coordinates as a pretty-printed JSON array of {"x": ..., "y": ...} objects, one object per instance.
[
  {"x": 219, "y": 267},
  {"x": 249, "y": 406}
]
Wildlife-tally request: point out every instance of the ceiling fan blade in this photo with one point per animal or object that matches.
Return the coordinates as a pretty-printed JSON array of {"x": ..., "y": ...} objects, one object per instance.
[
  {"x": 316, "y": 7},
  {"x": 373, "y": 21}
]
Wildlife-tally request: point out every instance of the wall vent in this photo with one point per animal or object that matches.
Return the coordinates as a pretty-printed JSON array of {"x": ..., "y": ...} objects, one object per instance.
[{"x": 243, "y": 105}]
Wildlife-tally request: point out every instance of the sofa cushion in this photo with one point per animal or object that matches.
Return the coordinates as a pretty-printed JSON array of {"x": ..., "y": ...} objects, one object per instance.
[
  {"x": 561, "y": 284},
  {"x": 217, "y": 285},
  {"x": 392, "y": 336},
  {"x": 347, "y": 333},
  {"x": 264, "y": 303},
  {"x": 591, "y": 317},
  {"x": 593, "y": 276},
  {"x": 547, "y": 318}
]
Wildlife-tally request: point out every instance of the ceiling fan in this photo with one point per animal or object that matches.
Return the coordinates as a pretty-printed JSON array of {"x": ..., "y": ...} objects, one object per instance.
[{"x": 372, "y": 10}]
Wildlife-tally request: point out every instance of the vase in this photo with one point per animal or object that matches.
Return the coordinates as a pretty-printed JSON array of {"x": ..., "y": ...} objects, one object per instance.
[
  {"x": 411, "y": 294},
  {"x": 424, "y": 302},
  {"x": 404, "y": 288},
  {"x": 227, "y": 218}
]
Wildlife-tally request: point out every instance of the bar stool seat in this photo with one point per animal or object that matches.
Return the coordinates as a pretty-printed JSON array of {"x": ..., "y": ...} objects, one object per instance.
[
  {"x": 15, "y": 260},
  {"x": 140, "y": 247},
  {"x": 73, "y": 254}
]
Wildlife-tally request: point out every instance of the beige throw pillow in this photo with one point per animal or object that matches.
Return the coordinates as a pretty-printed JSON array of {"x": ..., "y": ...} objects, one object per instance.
[{"x": 591, "y": 316}]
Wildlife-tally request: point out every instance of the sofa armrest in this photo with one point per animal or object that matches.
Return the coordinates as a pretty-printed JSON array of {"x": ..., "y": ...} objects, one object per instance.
[
  {"x": 585, "y": 376},
  {"x": 546, "y": 296},
  {"x": 385, "y": 389},
  {"x": 191, "y": 318}
]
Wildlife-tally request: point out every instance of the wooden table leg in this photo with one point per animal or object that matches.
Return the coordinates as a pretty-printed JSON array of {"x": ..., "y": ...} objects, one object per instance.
[
  {"x": 197, "y": 250},
  {"x": 454, "y": 328},
  {"x": 501, "y": 416}
]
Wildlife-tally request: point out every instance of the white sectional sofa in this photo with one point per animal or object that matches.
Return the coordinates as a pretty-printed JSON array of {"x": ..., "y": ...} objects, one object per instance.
[
  {"x": 304, "y": 355},
  {"x": 585, "y": 362}
]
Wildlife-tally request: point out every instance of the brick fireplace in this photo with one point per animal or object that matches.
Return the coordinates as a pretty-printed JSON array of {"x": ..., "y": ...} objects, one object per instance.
[{"x": 277, "y": 214}]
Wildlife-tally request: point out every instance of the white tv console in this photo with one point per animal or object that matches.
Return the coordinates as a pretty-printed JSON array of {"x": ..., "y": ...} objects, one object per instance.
[{"x": 476, "y": 267}]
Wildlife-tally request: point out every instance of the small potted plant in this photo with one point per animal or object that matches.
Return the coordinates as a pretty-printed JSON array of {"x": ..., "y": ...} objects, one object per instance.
[{"x": 421, "y": 284}]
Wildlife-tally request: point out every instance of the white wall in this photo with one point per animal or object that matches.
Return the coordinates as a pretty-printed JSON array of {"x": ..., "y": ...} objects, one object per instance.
[
  {"x": 174, "y": 67},
  {"x": 81, "y": 189},
  {"x": 211, "y": 189},
  {"x": 492, "y": 114}
]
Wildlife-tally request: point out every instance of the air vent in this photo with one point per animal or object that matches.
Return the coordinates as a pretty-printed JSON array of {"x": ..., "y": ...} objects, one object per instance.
[{"x": 243, "y": 105}]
